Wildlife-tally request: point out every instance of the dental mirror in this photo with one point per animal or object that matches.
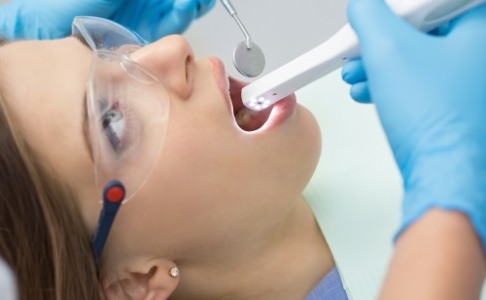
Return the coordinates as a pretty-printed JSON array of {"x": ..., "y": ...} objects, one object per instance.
[
  {"x": 248, "y": 58},
  {"x": 250, "y": 62}
]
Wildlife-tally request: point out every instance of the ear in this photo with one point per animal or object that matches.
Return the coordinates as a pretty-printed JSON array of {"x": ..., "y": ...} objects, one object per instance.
[{"x": 154, "y": 283}]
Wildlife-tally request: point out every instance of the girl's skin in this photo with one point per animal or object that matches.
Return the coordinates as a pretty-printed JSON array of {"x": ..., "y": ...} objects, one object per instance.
[{"x": 222, "y": 204}]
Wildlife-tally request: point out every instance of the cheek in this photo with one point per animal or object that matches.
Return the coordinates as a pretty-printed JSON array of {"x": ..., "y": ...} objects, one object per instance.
[
  {"x": 194, "y": 162},
  {"x": 209, "y": 175},
  {"x": 191, "y": 193},
  {"x": 203, "y": 161}
]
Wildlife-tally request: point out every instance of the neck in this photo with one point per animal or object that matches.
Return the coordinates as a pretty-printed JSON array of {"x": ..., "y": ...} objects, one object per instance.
[{"x": 286, "y": 266}]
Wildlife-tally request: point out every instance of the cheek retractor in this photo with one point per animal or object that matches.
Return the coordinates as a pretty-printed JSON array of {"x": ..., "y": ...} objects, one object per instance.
[
  {"x": 248, "y": 58},
  {"x": 332, "y": 54}
]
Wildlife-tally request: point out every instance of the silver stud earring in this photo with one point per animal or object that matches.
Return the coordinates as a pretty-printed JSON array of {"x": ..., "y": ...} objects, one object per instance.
[{"x": 174, "y": 272}]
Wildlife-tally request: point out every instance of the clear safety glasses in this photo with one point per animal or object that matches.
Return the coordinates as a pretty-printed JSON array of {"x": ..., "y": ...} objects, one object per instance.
[{"x": 127, "y": 109}]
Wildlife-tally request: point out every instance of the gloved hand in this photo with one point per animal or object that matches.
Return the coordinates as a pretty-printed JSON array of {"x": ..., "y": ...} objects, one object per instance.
[
  {"x": 152, "y": 19},
  {"x": 430, "y": 95}
]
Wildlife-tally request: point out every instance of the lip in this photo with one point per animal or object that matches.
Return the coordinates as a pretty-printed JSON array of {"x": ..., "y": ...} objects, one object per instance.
[
  {"x": 222, "y": 81},
  {"x": 280, "y": 111}
]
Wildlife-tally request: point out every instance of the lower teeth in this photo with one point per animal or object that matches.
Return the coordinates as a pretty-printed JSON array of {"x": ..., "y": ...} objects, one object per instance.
[{"x": 244, "y": 117}]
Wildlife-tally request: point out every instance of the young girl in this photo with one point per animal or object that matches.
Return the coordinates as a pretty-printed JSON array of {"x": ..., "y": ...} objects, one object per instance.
[{"x": 214, "y": 207}]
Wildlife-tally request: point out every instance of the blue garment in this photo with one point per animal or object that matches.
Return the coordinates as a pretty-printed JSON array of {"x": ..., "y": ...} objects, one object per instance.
[{"x": 329, "y": 288}]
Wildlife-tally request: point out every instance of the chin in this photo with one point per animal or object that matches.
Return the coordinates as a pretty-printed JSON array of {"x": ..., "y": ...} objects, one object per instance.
[{"x": 296, "y": 150}]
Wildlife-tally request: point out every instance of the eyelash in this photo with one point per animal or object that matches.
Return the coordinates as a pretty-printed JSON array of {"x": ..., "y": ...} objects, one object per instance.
[{"x": 118, "y": 142}]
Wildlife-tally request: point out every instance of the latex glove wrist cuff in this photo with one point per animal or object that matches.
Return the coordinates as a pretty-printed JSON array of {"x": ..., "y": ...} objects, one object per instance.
[{"x": 448, "y": 182}]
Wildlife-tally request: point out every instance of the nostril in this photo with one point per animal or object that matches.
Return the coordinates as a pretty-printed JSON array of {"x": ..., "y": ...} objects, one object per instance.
[{"x": 189, "y": 61}]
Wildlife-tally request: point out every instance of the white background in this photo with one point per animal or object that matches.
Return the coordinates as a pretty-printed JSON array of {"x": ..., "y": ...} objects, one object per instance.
[{"x": 284, "y": 29}]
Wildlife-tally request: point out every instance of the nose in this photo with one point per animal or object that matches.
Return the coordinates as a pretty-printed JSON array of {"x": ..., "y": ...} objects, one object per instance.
[{"x": 170, "y": 59}]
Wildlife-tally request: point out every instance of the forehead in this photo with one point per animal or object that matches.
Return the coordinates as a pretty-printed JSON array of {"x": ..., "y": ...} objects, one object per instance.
[
  {"x": 32, "y": 61},
  {"x": 43, "y": 85},
  {"x": 34, "y": 70}
]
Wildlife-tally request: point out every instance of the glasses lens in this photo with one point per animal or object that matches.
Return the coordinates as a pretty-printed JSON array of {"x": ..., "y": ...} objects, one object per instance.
[
  {"x": 128, "y": 109},
  {"x": 104, "y": 34},
  {"x": 127, "y": 106}
]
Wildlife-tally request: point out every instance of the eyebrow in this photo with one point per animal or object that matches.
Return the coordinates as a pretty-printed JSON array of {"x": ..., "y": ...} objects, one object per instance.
[
  {"x": 87, "y": 140},
  {"x": 4, "y": 41}
]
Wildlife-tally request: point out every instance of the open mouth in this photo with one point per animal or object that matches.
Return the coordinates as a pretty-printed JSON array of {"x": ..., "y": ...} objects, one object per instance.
[{"x": 247, "y": 120}]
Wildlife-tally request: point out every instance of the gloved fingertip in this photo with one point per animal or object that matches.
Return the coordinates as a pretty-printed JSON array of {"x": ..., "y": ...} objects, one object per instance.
[
  {"x": 204, "y": 6},
  {"x": 360, "y": 92},
  {"x": 353, "y": 71},
  {"x": 176, "y": 22},
  {"x": 346, "y": 74},
  {"x": 185, "y": 5}
]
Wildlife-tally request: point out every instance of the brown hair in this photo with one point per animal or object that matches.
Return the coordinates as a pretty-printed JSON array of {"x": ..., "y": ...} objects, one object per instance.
[{"x": 42, "y": 236}]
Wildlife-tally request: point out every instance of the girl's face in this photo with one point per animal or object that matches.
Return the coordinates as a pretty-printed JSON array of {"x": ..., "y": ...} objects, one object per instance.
[{"x": 214, "y": 185}]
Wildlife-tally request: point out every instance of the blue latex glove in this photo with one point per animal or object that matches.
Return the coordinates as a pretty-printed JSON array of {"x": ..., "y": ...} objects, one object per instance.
[
  {"x": 153, "y": 19},
  {"x": 430, "y": 94},
  {"x": 45, "y": 19}
]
